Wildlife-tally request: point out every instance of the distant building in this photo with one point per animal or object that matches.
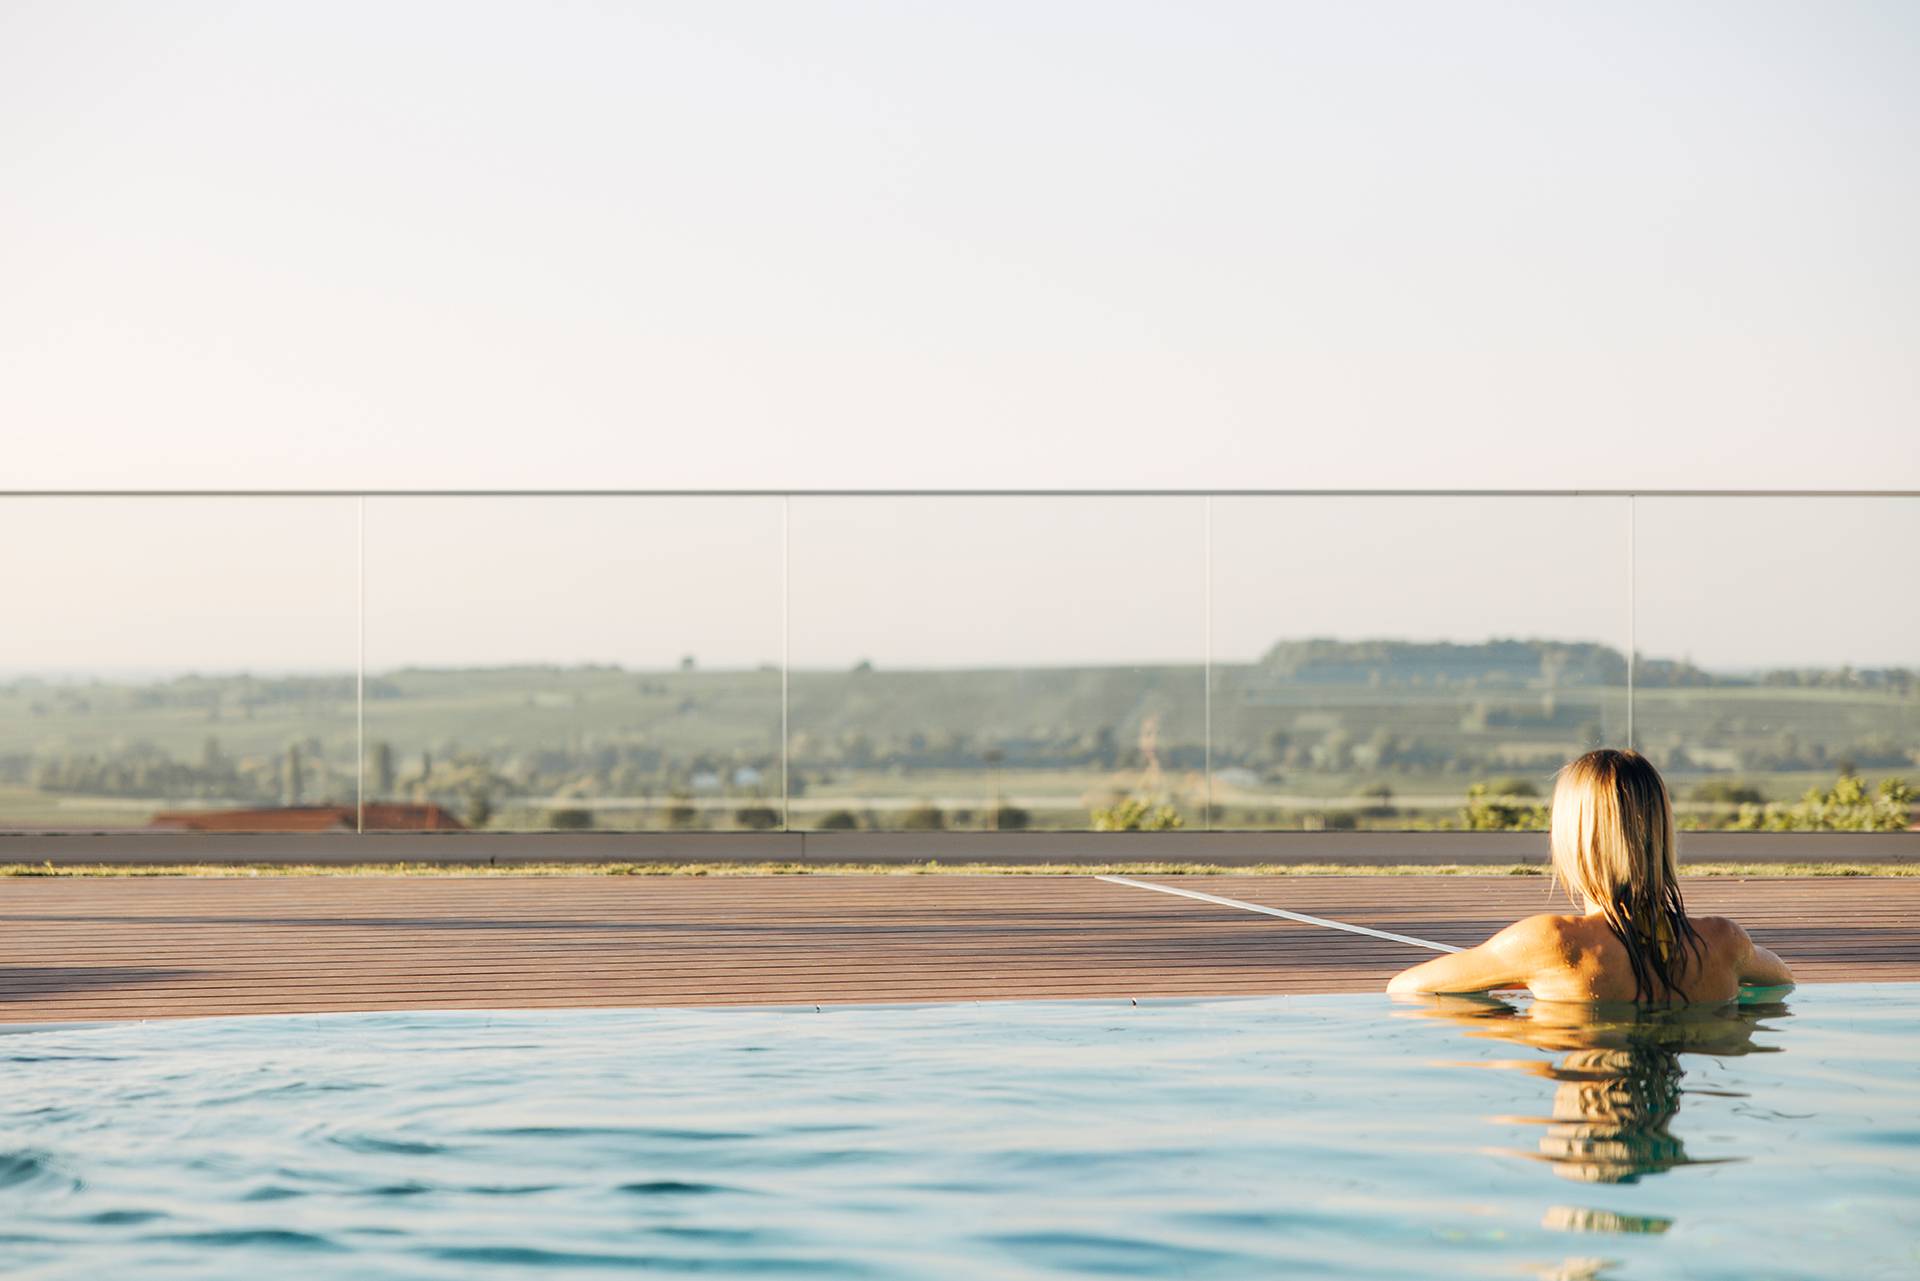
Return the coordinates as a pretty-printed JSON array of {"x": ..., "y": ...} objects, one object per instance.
[{"x": 381, "y": 816}]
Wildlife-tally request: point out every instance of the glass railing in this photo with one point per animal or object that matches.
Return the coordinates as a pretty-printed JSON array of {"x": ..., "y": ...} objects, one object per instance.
[
  {"x": 989, "y": 662},
  {"x": 165, "y": 656},
  {"x": 1377, "y": 657},
  {"x": 539, "y": 663},
  {"x": 948, "y": 662}
]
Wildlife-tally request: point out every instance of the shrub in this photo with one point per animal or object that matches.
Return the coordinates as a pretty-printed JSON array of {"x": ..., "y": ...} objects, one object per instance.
[
  {"x": 569, "y": 820},
  {"x": 1009, "y": 818},
  {"x": 1847, "y": 806},
  {"x": 1489, "y": 812},
  {"x": 839, "y": 821},
  {"x": 758, "y": 818},
  {"x": 923, "y": 817},
  {"x": 679, "y": 814},
  {"x": 1132, "y": 814},
  {"x": 1331, "y": 821}
]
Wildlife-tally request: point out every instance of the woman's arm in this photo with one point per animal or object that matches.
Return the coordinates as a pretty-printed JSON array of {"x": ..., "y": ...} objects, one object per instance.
[
  {"x": 1758, "y": 966},
  {"x": 1507, "y": 959}
]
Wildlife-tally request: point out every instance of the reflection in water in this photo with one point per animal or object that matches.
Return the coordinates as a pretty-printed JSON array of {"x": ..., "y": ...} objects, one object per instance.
[{"x": 1617, "y": 1085}]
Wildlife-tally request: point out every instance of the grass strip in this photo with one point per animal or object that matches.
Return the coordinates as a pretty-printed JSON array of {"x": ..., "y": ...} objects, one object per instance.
[{"x": 223, "y": 871}]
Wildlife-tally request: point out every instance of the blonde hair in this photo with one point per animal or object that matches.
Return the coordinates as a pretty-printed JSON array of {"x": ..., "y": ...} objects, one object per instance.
[{"x": 1613, "y": 845}]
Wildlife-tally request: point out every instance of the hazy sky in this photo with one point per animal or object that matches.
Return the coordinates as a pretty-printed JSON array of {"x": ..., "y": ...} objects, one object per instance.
[
  {"x": 263, "y": 584},
  {"x": 984, "y": 244}
]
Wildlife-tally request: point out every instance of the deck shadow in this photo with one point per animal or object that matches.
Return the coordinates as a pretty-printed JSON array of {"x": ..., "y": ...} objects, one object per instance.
[{"x": 26, "y": 982}]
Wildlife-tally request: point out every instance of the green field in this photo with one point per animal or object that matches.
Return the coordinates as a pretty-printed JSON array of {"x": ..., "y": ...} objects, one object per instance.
[{"x": 1317, "y": 735}]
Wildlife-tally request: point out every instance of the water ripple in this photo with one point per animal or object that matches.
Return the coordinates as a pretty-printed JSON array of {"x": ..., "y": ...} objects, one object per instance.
[
  {"x": 1018, "y": 1141},
  {"x": 27, "y": 1168}
]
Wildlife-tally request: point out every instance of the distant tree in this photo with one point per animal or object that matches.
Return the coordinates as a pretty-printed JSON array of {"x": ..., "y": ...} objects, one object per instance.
[
  {"x": 1512, "y": 786},
  {"x": 292, "y": 784},
  {"x": 210, "y": 758},
  {"x": 1881, "y": 751},
  {"x": 383, "y": 769},
  {"x": 1335, "y": 751},
  {"x": 1106, "y": 748},
  {"x": 686, "y": 662},
  {"x": 480, "y": 807},
  {"x": 839, "y": 821},
  {"x": 569, "y": 820},
  {"x": 1382, "y": 797},
  {"x": 863, "y": 668},
  {"x": 679, "y": 814},
  {"x": 924, "y": 817},
  {"x": 758, "y": 818},
  {"x": 1724, "y": 791}
]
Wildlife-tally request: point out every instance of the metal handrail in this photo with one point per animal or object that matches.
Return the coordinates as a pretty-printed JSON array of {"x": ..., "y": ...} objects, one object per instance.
[{"x": 960, "y": 493}]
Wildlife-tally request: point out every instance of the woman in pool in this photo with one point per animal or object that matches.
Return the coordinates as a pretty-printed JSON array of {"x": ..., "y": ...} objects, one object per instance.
[{"x": 1613, "y": 850}]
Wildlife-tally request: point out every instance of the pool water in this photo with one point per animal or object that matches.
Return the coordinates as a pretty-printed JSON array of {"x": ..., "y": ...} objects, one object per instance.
[{"x": 1285, "y": 1136}]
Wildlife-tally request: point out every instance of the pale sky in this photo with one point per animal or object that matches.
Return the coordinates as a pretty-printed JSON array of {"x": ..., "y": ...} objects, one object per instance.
[{"x": 995, "y": 245}]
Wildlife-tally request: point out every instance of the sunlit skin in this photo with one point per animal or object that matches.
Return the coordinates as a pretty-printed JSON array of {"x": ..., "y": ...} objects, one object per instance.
[
  {"x": 1613, "y": 848},
  {"x": 1577, "y": 958}
]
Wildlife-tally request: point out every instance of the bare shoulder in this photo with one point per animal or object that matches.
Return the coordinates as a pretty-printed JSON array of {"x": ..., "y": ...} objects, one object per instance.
[
  {"x": 1544, "y": 935},
  {"x": 1722, "y": 935},
  {"x": 1544, "y": 925},
  {"x": 1513, "y": 957}
]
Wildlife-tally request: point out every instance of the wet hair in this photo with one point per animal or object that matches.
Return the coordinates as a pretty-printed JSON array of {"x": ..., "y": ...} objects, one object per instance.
[{"x": 1613, "y": 844}]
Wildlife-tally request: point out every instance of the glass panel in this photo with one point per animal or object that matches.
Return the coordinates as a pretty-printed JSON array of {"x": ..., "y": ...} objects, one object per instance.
[
  {"x": 177, "y": 663},
  {"x": 543, "y": 663},
  {"x": 997, "y": 662},
  {"x": 1780, "y": 644},
  {"x": 1374, "y": 658}
]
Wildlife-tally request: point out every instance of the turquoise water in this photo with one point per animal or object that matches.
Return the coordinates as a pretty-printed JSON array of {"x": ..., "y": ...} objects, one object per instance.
[{"x": 1321, "y": 1136}]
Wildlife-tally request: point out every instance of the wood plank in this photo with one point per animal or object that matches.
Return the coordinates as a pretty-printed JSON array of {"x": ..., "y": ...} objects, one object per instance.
[{"x": 84, "y": 949}]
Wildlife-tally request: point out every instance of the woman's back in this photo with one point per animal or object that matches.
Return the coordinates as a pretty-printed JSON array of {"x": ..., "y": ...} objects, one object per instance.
[
  {"x": 1582, "y": 960},
  {"x": 1579, "y": 958}
]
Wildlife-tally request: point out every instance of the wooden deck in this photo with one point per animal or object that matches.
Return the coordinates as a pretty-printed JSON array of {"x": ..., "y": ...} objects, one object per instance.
[{"x": 73, "y": 950}]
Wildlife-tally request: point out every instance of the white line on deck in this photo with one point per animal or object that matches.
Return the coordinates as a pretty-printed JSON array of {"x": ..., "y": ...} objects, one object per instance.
[{"x": 1282, "y": 912}]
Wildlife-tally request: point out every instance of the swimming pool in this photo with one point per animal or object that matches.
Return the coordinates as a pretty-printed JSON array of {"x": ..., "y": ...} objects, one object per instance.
[{"x": 1302, "y": 1136}]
